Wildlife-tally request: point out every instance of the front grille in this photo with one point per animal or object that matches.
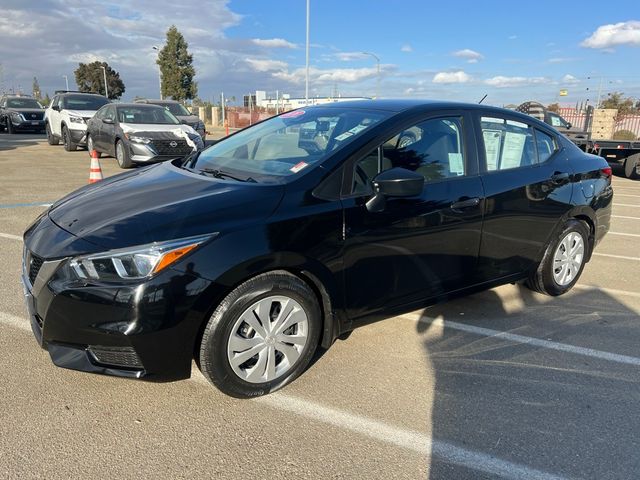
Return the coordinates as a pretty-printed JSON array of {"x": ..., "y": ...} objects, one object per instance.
[
  {"x": 34, "y": 264},
  {"x": 33, "y": 115},
  {"x": 124, "y": 357},
  {"x": 163, "y": 147}
]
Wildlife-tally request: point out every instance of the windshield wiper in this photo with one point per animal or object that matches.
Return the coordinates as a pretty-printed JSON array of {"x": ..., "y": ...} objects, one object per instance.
[{"x": 215, "y": 173}]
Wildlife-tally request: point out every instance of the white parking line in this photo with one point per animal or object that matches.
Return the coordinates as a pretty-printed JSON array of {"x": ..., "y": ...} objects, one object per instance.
[
  {"x": 625, "y": 195},
  {"x": 10, "y": 237},
  {"x": 512, "y": 337},
  {"x": 624, "y": 216},
  {"x": 625, "y": 205},
  {"x": 625, "y": 234},
  {"x": 411, "y": 440},
  {"x": 622, "y": 257}
]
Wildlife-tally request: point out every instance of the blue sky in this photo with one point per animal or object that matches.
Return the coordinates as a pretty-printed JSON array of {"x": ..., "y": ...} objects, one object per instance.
[{"x": 456, "y": 50}]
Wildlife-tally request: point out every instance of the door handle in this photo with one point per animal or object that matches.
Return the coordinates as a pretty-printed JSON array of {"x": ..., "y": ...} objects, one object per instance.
[
  {"x": 560, "y": 177},
  {"x": 464, "y": 204}
]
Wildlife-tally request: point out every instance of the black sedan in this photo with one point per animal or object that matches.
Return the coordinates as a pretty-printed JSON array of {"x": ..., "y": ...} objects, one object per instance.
[
  {"x": 250, "y": 255},
  {"x": 136, "y": 133},
  {"x": 19, "y": 113}
]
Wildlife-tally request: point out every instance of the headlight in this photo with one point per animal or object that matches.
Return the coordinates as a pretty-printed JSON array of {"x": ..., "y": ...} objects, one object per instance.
[
  {"x": 134, "y": 139},
  {"x": 18, "y": 117},
  {"x": 134, "y": 263},
  {"x": 73, "y": 119}
]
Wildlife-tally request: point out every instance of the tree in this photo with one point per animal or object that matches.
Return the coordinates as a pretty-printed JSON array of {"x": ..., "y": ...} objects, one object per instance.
[
  {"x": 624, "y": 135},
  {"x": 176, "y": 68},
  {"x": 618, "y": 101},
  {"x": 90, "y": 78},
  {"x": 46, "y": 100},
  {"x": 36, "y": 89},
  {"x": 554, "y": 107}
]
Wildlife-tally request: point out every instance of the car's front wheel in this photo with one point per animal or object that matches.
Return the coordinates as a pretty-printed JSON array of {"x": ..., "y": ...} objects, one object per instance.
[
  {"x": 563, "y": 260},
  {"x": 261, "y": 336},
  {"x": 122, "y": 155},
  {"x": 69, "y": 146}
]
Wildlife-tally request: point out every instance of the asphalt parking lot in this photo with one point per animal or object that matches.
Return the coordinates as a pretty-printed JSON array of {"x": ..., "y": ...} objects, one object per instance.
[{"x": 502, "y": 384}]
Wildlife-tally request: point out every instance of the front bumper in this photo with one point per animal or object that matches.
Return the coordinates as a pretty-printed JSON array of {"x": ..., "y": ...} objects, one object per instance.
[
  {"x": 145, "y": 153},
  {"x": 27, "y": 124},
  {"x": 78, "y": 137},
  {"x": 146, "y": 329}
]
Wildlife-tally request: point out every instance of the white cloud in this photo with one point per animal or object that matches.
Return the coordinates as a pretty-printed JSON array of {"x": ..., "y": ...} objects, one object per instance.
[
  {"x": 406, "y": 48},
  {"x": 561, "y": 60},
  {"x": 266, "y": 65},
  {"x": 350, "y": 56},
  {"x": 471, "y": 56},
  {"x": 570, "y": 80},
  {"x": 611, "y": 35},
  {"x": 328, "y": 76},
  {"x": 451, "y": 77},
  {"x": 273, "y": 43},
  {"x": 504, "y": 82}
]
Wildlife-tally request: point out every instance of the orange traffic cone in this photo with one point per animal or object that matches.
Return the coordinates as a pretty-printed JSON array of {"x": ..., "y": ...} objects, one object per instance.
[{"x": 95, "y": 173}]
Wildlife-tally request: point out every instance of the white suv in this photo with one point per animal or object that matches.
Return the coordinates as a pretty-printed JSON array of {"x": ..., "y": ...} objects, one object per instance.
[{"x": 66, "y": 117}]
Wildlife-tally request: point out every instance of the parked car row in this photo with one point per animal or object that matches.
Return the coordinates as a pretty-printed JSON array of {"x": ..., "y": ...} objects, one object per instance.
[{"x": 134, "y": 133}]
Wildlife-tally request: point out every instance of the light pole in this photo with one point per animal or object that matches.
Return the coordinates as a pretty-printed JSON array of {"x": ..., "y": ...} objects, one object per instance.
[
  {"x": 159, "y": 71},
  {"x": 378, "y": 71},
  {"x": 306, "y": 79},
  {"x": 66, "y": 79},
  {"x": 106, "y": 89}
]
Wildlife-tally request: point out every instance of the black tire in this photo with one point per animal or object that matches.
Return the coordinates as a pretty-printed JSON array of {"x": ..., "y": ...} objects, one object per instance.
[
  {"x": 10, "y": 128},
  {"x": 543, "y": 280},
  {"x": 51, "y": 138},
  {"x": 631, "y": 167},
  {"x": 2, "y": 127},
  {"x": 69, "y": 146},
  {"x": 122, "y": 155},
  {"x": 213, "y": 356},
  {"x": 90, "y": 146}
]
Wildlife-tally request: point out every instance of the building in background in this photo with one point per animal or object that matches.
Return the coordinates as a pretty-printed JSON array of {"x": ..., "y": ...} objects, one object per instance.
[{"x": 284, "y": 102}]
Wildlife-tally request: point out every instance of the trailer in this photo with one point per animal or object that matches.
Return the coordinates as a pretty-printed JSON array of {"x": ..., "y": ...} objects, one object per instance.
[{"x": 616, "y": 152}]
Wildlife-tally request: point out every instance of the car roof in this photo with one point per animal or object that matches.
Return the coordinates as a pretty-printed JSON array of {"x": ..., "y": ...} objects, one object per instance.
[
  {"x": 154, "y": 101},
  {"x": 136, "y": 105},
  {"x": 422, "y": 105}
]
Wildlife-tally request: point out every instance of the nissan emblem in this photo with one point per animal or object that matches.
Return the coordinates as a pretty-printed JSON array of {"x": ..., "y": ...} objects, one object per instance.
[{"x": 173, "y": 143}]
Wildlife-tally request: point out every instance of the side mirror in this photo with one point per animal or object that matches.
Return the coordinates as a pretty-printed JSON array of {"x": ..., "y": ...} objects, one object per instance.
[
  {"x": 108, "y": 121},
  {"x": 56, "y": 108},
  {"x": 396, "y": 182},
  {"x": 568, "y": 126}
]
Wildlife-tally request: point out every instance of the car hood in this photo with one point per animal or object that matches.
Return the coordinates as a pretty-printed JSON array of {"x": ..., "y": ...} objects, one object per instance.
[
  {"x": 177, "y": 130},
  {"x": 82, "y": 113},
  {"x": 188, "y": 119},
  {"x": 25, "y": 110},
  {"x": 161, "y": 202}
]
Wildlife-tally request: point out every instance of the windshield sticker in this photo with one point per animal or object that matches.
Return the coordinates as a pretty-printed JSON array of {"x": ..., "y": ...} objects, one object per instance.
[
  {"x": 292, "y": 114},
  {"x": 298, "y": 166},
  {"x": 358, "y": 128},
  {"x": 344, "y": 136}
]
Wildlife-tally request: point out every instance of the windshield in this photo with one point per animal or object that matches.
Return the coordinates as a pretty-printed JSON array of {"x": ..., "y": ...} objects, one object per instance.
[
  {"x": 176, "y": 109},
  {"x": 23, "y": 103},
  {"x": 84, "y": 102},
  {"x": 146, "y": 115},
  {"x": 288, "y": 145}
]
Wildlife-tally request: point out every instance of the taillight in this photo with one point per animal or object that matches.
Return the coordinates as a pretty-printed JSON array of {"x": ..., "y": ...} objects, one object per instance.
[{"x": 606, "y": 171}]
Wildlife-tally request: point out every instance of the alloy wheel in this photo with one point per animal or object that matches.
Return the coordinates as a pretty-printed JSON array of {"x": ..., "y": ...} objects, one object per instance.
[
  {"x": 267, "y": 339},
  {"x": 568, "y": 258}
]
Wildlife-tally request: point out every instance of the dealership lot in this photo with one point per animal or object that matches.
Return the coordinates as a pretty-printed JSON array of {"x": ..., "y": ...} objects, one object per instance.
[{"x": 503, "y": 383}]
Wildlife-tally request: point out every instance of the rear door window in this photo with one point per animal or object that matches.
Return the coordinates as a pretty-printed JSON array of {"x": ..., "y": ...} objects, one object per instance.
[
  {"x": 546, "y": 145},
  {"x": 507, "y": 144}
]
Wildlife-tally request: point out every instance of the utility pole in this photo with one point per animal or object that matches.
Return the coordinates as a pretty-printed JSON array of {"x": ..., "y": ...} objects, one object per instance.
[
  {"x": 377, "y": 70},
  {"x": 222, "y": 106},
  {"x": 306, "y": 81},
  {"x": 155, "y": 47},
  {"x": 106, "y": 88},
  {"x": 66, "y": 79},
  {"x": 277, "y": 102}
]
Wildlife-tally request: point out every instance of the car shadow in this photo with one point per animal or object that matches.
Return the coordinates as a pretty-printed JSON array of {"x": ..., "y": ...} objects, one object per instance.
[
  {"x": 566, "y": 412},
  {"x": 17, "y": 140}
]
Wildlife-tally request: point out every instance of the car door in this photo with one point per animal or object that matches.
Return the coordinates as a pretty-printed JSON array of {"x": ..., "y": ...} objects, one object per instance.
[
  {"x": 3, "y": 114},
  {"x": 108, "y": 131},
  {"x": 53, "y": 116},
  {"x": 527, "y": 181},
  {"x": 418, "y": 247}
]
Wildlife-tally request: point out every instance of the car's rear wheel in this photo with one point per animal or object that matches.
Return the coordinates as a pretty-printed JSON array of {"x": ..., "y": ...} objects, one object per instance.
[
  {"x": 563, "y": 261},
  {"x": 631, "y": 166},
  {"x": 261, "y": 336},
  {"x": 51, "y": 138},
  {"x": 69, "y": 146},
  {"x": 10, "y": 128},
  {"x": 91, "y": 146},
  {"x": 122, "y": 155}
]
